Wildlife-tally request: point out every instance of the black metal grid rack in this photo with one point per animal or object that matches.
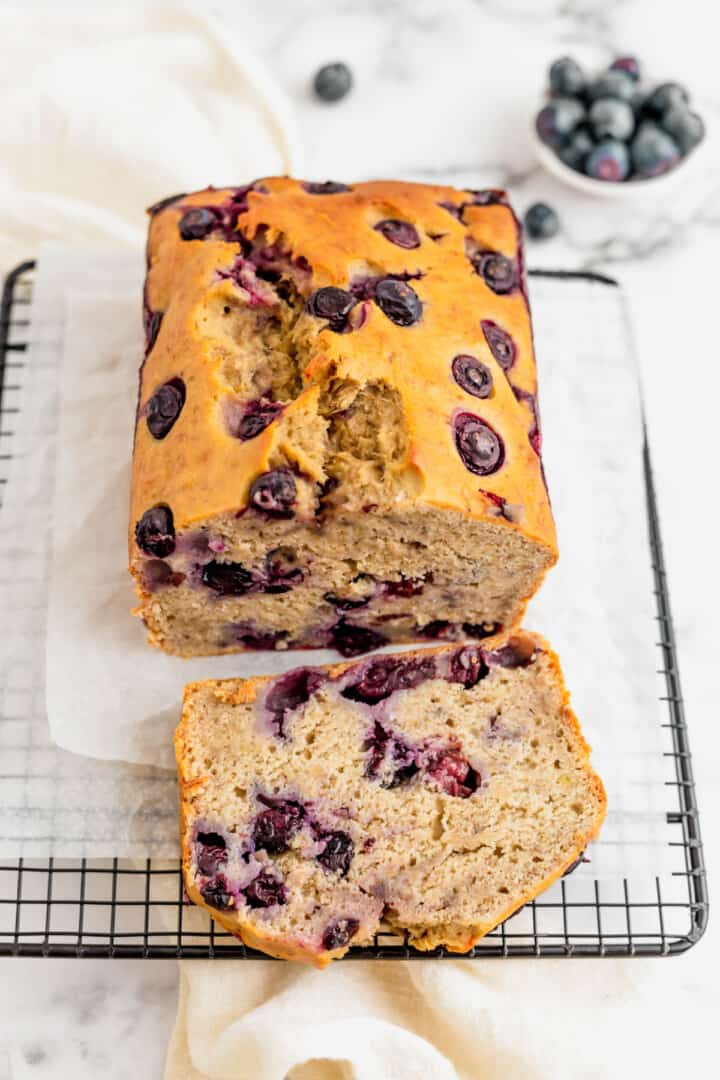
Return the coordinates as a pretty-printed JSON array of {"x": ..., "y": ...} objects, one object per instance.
[{"x": 113, "y": 907}]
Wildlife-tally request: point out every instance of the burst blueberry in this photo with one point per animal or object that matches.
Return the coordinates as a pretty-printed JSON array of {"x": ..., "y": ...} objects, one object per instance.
[
  {"x": 164, "y": 407},
  {"x": 256, "y": 417},
  {"x": 289, "y": 692},
  {"x": 473, "y": 376},
  {"x": 210, "y": 852},
  {"x": 217, "y": 894},
  {"x": 197, "y": 223},
  {"x": 479, "y": 446},
  {"x": 337, "y": 855},
  {"x": 155, "y": 532},
  {"x": 325, "y": 187},
  {"x": 338, "y": 933},
  {"x": 400, "y": 233},
  {"x": 398, "y": 301},
  {"x": 274, "y": 493},
  {"x": 275, "y": 827},
  {"x": 467, "y": 666},
  {"x": 266, "y": 890},
  {"x": 381, "y": 678},
  {"x": 351, "y": 640},
  {"x": 500, "y": 343}
]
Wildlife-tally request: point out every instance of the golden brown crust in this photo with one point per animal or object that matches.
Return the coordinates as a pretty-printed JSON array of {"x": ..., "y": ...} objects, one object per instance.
[
  {"x": 201, "y": 471},
  {"x": 246, "y": 691}
]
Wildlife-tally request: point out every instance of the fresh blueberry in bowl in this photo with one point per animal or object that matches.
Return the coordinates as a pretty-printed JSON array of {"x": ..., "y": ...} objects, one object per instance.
[
  {"x": 575, "y": 152},
  {"x": 609, "y": 160},
  {"x": 541, "y": 222},
  {"x": 664, "y": 97},
  {"x": 566, "y": 78},
  {"x": 628, "y": 65},
  {"x": 613, "y": 84},
  {"x": 653, "y": 151},
  {"x": 684, "y": 126},
  {"x": 611, "y": 118},
  {"x": 333, "y": 82},
  {"x": 559, "y": 119}
]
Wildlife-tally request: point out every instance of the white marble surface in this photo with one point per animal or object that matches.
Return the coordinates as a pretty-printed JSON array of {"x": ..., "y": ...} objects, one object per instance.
[{"x": 445, "y": 89}]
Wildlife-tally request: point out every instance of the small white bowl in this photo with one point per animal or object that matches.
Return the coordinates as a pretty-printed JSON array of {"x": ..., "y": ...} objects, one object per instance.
[{"x": 616, "y": 189}]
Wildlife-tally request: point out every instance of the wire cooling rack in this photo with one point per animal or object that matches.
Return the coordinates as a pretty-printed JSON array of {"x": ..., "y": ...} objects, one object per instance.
[{"x": 114, "y": 907}]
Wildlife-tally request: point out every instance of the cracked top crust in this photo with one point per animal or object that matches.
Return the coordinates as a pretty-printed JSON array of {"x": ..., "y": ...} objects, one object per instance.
[{"x": 419, "y": 387}]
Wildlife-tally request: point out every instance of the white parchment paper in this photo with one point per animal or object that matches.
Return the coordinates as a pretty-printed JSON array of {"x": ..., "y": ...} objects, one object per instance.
[{"x": 108, "y": 696}]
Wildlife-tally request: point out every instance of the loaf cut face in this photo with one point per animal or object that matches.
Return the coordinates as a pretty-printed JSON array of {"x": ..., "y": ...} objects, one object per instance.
[
  {"x": 434, "y": 791},
  {"x": 338, "y": 438}
]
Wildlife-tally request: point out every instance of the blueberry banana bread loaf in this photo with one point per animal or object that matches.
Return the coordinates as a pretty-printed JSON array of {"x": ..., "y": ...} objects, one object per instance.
[
  {"x": 338, "y": 440},
  {"x": 435, "y": 791}
]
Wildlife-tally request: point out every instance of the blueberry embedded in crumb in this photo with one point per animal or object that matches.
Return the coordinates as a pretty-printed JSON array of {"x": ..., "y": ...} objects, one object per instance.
[
  {"x": 333, "y": 304},
  {"x": 479, "y": 446},
  {"x": 333, "y": 82},
  {"x": 226, "y": 578},
  {"x": 467, "y": 666},
  {"x": 289, "y": 692},
  {"x": 541, "y": 222},
  {"x": 566, "y": 77},
  {"x": 325, "y": 187},
  {"x": 274, "y": 493},
  {"x": 380, "y": 678},
  {"x": 210, "y": 852},
  {"x": 275, "y": 827},
  {"x": 453, "y": 774},
  {"x": 155, "y": 532},
  {"x": 256, "y": 417},
  {"x": 497, "y": 270},
  {"x": 338, "y": 933},
  {"x": 351, "y": 640},
  {"x": 265, "y": 890},
  {"x": 217, "y": 894},
  {"x": 337, "y": 855}
]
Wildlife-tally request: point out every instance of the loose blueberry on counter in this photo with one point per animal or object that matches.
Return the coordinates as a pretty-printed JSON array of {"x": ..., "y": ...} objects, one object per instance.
[
  {"x": 332, "y": 304},
  {"x": 161, "y": 204},
  {"x": 338, "y": 852},
  {"x": 685, "y": 127},
  {"x": 155, "y": 532},
  {"x": 337, "y": 933},
  {"x": 226, "y": 578},
  {"x": 198, "y": 222},
  {"x": 264, "y": 891},
  {"x": 472, "y": 376},
  {"x": 217, "y": 894},
  {"x": 500, "y": 343},
  {"x": 497, "y": 271},
  {"x": 382, "y": 677},
  {"x": 350, "y": 640},
  {"x": 566, "y": 78},
  {"x": 257, "y": 416},
  {"x": 480, "y": 448},
  {"x": 333, "y": 81},
  {"x": 468, "y": 667},
  {"x": 628, "y": 65},
  {"x": 164, "y": 407},
  {"x": 541, "y": 221},
  {"x": 613, "y": 84},
  {"x": 210, "y": 852},
  {"x": 398, "y": 301},
  {"x": 274, "y": 493},
  {"x": 609, "y": 161},
  {"x": 453, "y": 774},
  {"x": 291, "y": 691},
  {"x": 664, "y": 97},
  {"x": 611, "y": 118},
  {"x": 557, "y": 120},
  {"x": 326, "y": 187},
  {"x": 157, "y": 574},
  {"x": 275, "y": 827},
  {"x": 574, "y": 153},
  {"x": 401, "y": 233},
  {"x": 653, "y": 151},
  {"x": 153, "y": 322}
]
